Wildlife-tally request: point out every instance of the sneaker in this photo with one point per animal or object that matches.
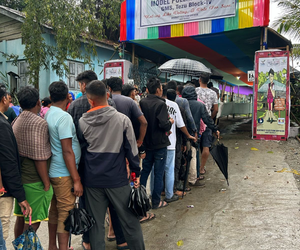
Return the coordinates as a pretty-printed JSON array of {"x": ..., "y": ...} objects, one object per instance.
[
  {"x": 175, "y": 197},
  {"x": 198, "y": 184}
]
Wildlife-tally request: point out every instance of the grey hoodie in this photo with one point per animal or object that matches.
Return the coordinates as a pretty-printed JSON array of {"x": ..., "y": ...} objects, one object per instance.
[{"x": 110, "y": 139}]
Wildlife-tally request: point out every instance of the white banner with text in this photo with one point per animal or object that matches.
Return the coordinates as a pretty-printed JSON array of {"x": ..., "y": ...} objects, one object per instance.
[{"x": 167, "y": 12}]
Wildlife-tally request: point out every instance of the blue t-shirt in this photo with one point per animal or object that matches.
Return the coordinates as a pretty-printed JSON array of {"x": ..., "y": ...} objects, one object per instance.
[{"x": 61, "y": 126}]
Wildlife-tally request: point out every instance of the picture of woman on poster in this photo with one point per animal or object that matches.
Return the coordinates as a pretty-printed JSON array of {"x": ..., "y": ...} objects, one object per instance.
[{"x": 270, "y": 97}]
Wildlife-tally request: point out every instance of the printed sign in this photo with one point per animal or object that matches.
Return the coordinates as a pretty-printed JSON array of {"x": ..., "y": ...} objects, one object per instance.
[
  {"x": 251, "y": 74},
  {"x": 113, "y": 72},
  {"x": 271, "y": 99},
  {"x": 167, "y": 12}
]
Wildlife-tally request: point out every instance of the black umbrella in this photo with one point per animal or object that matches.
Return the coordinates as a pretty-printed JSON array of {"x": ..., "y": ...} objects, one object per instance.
[
  {"x": 220, "y": 154},
  {"x": 78, "y": 221},
  {"x": 139, "y": 202},
  {"x": 188, "y": 159}
]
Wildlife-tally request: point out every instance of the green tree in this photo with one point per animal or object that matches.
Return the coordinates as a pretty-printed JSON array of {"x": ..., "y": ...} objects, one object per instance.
[
  {"x": 14, "y": 4},
  {"x": 289, "y": 22},
  {"x": 72, "y": 27}
]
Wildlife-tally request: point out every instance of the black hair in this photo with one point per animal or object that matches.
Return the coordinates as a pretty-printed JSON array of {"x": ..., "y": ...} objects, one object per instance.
[
  {"x": 46, "y": 101},
  {"x": 86, "y": 76},
  {"x": 104, "y": 81},
  {"x": 28, "y": 97},
  {"x": 180, "y": 88},
  {"x": 204, "y": 78},
  {"x": 196, "y": 83},
  {"x": 210, "y": 85},
  {"x": 189, "y": 83},
  {"x": 115, "y": 83},
  {"x": 127, "y": 89},
  {"x": 96, "y": 88},
  {"x": 171, "y": 94},
  {"x": 271, "y": 71},
  {"x": 153, "y": 84},
  {"x": 3, "y": 92},
  {"x": 58, "y": 91},
  {"x": 144, "y": 89},
  {"x": 165, "y": 88},
  {"x": 172, "y": 85}
]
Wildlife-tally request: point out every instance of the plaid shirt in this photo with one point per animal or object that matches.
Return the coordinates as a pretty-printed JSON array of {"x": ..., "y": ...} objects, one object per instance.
[{"x": 31, "y": 132}]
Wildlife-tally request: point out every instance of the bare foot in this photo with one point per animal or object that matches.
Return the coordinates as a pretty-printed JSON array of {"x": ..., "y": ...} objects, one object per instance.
[{"x": 86, "y": 246}]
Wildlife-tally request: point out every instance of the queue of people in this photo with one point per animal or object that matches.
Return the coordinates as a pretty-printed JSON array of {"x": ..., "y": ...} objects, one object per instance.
[{"x": 61, "y": 148}]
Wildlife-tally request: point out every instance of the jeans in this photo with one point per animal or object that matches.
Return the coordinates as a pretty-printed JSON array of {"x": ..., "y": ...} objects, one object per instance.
[
  {"x": 198, "y": 161},
  {"x": 170, "y": 174},
  {"x": 156, "y": 158},
  {"x": 2, "y": 241}
]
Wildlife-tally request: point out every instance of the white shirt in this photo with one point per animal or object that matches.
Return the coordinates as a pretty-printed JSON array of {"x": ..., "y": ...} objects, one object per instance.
[
  {"x": 174, "y": 112},
  {"x": 208, "y": 96}
]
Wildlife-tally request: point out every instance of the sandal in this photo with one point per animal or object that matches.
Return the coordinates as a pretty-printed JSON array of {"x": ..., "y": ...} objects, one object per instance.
[
  {"x": 200, "y": 178},
  {"x": 204, "y": 172},
  {"x": 109, "y": 238},
  {"x": 150, "y": 216},
  {"x": 179, "y": 193},
  {"x": 161, "y": 205}
]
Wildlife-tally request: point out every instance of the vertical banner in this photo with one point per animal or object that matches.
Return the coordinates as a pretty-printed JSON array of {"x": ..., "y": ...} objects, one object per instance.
[{"x": 271, "y": 95}]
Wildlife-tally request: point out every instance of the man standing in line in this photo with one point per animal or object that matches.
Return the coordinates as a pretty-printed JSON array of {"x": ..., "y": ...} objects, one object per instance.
[
  {"x": 156, "y": 139},
  {"x": 110, "y": 139},
  {"x": 63, "y": 168},
  {"x": 31, "y": 132},
  {"x": 210, "y": 99},
  {"x": 199, "y": 112},
  {"x": 10, "y": 167},
  {"x": 174, "y": 112},
  {"x": 127, "y": 106}
]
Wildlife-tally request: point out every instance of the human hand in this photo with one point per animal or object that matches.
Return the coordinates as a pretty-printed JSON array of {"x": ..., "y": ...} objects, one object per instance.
[
  {"x": 218, "y": 134},
  {"x": 143, "y": 156},
  {"x": 25, "y": 208},
  {"x": 194, "y": 139},
  {"x": 78, "y": 189},
  {"x": 139, "y": 143},
  {"x": 183, "y": 149},
  {"x": 46, "y": 187},
  {"x": 137, "y": 182},
  {"x": 172, "y": 120}
]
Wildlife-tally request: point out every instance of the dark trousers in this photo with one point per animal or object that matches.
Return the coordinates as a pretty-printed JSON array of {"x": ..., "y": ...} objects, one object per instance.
[
  {"x": 97, "y": 201},
  {"x": 178, "y": 156},
  {"x": 156, "y": 159},
  {"x": 85, "y": 236}
]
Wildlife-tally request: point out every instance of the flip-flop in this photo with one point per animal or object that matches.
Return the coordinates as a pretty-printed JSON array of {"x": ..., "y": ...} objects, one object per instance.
[
  {"x": 204, "y": 172},
  {"x": 163, "y": 204},
  {"x": 200, "y": 178},
  {"x": 150, "y": 216},
  {"x": 111, "y": 238}
]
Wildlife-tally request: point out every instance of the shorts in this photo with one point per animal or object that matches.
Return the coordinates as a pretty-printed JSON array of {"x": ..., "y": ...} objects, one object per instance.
[
  {"x": 38, "y": 199},
  {"x": 62, "y": 202},
  {"x": 207, "y": 138}
]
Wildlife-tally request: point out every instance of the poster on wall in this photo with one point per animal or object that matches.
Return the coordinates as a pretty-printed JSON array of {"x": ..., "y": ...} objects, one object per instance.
[
  {"x": 271, "y": 95},
  {"x": 167, "y": 12},
  {"x": 113, "y": 72}
]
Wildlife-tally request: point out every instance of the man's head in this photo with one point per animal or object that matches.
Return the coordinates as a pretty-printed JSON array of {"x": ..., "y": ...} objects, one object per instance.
[
  {"x": 271, "y": 75},
  {"x": 154, "y": 86},
  {"x": 165, "y": 88},
  {"x": 196, "y": 83},
  {"x": 46, "y": 102},
  {"x": 179, "y": 89},
  {"x": 115, "y": 84},
  {"x": 4, "y": 102},
  {"x": 171, "y": 94},
  {"x": 97, "y": 94},
  {"x": 29, "y": 99},
  {"x": 204, "y": 78},
  {"x": 84, "y": 78},
  {"x": 172, "y": 85},
  {"x": 59, "y": 92},
  {"x": 129, "y": 90}
]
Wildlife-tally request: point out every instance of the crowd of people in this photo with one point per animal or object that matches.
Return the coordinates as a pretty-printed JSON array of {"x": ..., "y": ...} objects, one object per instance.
[{"x": 59, "y": 148}]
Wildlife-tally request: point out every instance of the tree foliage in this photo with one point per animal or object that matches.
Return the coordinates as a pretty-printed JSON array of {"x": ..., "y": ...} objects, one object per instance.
[
  {"x": 71, "y": 25},
  {"x": 14, "y": 4}
]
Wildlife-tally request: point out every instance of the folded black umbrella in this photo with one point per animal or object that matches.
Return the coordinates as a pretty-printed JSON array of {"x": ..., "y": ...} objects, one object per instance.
[
  {"x": 78, "y": 221},
  {"x": 220, "y": 154},
  {"x": 139, "y": 202}
]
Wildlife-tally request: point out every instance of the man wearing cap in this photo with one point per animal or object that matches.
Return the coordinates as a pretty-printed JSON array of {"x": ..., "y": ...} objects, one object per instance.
[{"x": 10, "y": 169}]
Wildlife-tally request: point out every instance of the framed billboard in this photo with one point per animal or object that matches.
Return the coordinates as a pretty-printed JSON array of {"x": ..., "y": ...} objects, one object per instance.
[{"x": 271, "y": 113}]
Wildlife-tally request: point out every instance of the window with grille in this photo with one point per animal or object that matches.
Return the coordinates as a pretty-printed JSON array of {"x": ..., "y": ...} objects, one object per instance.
[{"x": 75, "y": 68}]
